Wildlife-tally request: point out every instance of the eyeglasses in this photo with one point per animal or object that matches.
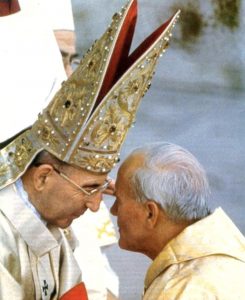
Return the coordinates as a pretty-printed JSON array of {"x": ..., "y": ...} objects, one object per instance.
[{"x": 88, "y": 192}]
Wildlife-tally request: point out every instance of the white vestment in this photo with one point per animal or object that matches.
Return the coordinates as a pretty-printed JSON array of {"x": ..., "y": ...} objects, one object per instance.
[{"x": 36, "y": 261}]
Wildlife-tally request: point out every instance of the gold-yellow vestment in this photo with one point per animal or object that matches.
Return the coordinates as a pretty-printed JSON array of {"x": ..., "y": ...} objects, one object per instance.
[{"x": 206, "y": 261}]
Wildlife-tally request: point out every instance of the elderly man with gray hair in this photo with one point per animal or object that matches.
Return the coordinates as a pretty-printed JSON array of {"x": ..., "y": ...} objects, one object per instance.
[{"x": 162, "y": 210}]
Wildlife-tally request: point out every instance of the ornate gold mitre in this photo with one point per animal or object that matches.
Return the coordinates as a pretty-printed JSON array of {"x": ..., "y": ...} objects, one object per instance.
[{"x": 87, "y": 121}]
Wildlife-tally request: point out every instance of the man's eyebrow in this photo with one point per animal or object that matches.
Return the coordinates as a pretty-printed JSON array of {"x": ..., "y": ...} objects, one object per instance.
[
  {"x": 90, "y": 185},
  {"x": 74, "y": 55},
  {"x": 93, "y": 184},
  {"x": 65, "y": 54}
]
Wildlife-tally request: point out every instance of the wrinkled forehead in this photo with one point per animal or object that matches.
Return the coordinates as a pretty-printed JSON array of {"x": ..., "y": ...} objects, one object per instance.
[
  {"x": 126, "y": 171},
  {"x": 124, "y": 188},
  {"x": 131, "y": 164}
]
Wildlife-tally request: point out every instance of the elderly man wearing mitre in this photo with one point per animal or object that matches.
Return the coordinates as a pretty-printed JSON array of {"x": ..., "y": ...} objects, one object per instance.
[{"x": 56, "y": 169}]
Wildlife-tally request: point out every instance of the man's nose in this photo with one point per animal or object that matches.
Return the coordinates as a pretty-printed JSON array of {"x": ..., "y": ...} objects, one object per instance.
[
  {"x": 68, "y": 69},
  {"x": 113, "y": 209},
  {"x": 94, "y": 204}
]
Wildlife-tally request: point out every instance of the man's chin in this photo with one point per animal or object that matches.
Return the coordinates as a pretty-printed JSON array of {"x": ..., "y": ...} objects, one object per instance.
[
  {"x": 122, "y": 244},
  {"x": 64, "y": 223}
]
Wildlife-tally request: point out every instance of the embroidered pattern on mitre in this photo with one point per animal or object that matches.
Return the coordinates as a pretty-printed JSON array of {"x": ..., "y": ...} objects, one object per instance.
[
  {"x": 88, "y": 119},
  {"x": 88, "y": 132}
]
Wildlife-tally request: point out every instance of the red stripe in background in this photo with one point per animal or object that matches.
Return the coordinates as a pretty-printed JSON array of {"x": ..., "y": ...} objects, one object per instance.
[{"x": 8, "y": 7}]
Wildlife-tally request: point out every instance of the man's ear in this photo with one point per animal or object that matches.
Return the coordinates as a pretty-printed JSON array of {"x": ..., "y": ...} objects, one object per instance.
[
  {"x": 41, "y": 175},
  {"x": 152, "y": 212}
]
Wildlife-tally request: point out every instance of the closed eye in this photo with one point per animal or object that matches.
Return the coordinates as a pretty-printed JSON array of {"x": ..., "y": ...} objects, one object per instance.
[{"x": 91, "y": 187}]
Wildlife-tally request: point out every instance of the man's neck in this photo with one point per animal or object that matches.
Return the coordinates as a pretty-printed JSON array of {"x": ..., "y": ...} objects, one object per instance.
[
  {"x": 25, "y": 198},
  {"x": 165, "y": 231}
]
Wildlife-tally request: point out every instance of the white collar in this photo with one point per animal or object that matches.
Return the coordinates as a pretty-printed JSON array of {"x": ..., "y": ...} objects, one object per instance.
[{"x": 27, "y": 224}]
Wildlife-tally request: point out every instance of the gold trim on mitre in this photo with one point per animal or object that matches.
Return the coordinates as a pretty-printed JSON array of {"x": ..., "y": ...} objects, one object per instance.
[{"x": 87, "y": 121}]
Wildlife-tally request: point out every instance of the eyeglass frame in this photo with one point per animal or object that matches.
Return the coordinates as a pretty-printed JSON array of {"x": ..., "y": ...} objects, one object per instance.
[{"x": 101, "y": 188}]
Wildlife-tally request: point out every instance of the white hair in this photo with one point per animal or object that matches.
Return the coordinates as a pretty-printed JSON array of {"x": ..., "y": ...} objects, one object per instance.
[{"x": 172, "y": 177}]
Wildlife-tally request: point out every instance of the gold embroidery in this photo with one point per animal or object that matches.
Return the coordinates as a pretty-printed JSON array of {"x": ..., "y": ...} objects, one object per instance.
[
  {"x": 69, "y": 103},
  {"x": 110, "y": 129},
  {"x": 47, "y": 134},
  {"x": 105, "y": 229},
  {"x": 22, "y": 153},
  {"x": 3, "y": 169},
  {"x": 97, "y": 162}
]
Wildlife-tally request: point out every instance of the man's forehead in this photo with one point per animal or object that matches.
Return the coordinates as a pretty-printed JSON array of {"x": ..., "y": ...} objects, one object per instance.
[
  {"x": 126, "y": 171},
  {"x": 66, "y": 40},
  {"x": 132, "y": 163}
]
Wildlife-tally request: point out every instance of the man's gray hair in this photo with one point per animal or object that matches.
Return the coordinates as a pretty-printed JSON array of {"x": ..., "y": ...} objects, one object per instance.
[{"x": 172, "y": 177}]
